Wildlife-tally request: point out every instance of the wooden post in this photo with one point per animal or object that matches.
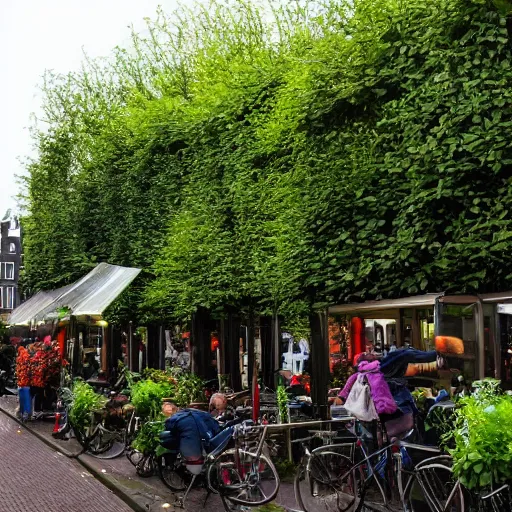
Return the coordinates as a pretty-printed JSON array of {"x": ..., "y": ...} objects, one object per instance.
[
  {"x": 73, "y": 337},
  {"x": 161, "y": 347},
  {"x": 104, "y": 350},
  {"x": 133, "y": 349},
  {"x": 200, "y": 344},
  {"x": 320, "y": 374},
  {"x": 276, "y": 349},
  {"x": 221, "y": 364},
  {"x": 152, "y": 342},
  {"x": 251, "y": 356},
  {"x": 267, "y": 365},
  {"x": 480, "y": 338},
  {"x": 415, "y": 330},
  {"x": 115, "y": 346},
  {"x": 233, "y": 351}
]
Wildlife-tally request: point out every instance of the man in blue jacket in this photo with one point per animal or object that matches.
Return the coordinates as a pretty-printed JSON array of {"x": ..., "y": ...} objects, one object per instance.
[{"x": 188, "y": 431}]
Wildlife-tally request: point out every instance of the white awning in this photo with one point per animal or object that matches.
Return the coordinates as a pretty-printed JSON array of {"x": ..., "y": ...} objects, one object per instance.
[
  {"x": 89, "y": 296},
  {"x": 26, "y": 312}
]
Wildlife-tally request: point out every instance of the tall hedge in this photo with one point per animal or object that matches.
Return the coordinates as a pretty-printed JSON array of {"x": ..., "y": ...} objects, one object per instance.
[{"x": 281, "y": 158}]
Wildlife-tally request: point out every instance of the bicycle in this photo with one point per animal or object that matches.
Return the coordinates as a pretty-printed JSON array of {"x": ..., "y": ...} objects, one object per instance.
[
  {"x": 102, "y": 438},
  {"x": 242, "y": 476},
  {"x": 384, "y": 480}
]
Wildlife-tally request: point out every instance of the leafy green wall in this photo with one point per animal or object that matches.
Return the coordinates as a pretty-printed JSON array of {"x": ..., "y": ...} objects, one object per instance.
[{"x": 281, "y": 158}]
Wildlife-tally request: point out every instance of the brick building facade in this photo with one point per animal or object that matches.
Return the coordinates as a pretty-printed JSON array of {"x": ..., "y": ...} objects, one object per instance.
[{"x": 10, "y": 263}]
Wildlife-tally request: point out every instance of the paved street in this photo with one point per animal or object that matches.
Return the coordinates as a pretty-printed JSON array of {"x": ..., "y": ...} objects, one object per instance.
[{"x": 34, "y": 478}]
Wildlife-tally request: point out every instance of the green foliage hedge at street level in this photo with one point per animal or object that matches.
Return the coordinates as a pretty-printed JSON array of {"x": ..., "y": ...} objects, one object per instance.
[{"x": 280, "y": 158}]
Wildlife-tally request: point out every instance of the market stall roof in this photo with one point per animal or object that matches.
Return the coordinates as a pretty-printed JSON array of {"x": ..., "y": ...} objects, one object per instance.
[
  {"x": 89, "y": 296},
  {"x": 428, "y": 299},
  {"x": 24, "y": 313}
]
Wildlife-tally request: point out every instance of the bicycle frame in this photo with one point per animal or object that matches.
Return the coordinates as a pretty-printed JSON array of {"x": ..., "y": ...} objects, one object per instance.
[
  {"x": 393, "y": 480},
  {"x": 393, "y": 452}
]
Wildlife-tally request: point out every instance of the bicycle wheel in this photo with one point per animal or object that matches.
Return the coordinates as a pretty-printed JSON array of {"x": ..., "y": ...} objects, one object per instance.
[
  {"x": 439, "y": 487},
  {"x": 146, "y": 466},
  {"x": 328, "y": 482},
  {"x": 244, "y": 479},
  {"x": 172, "y": 473},
  {"x": 99, "y": 443}
]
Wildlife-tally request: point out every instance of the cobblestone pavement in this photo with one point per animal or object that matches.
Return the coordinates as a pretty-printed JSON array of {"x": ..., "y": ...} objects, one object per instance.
[{"x": 34, "y": 478}]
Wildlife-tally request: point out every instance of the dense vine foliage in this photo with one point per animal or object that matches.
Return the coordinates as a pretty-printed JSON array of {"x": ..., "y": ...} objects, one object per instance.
[{"x": 280, "y": 158}]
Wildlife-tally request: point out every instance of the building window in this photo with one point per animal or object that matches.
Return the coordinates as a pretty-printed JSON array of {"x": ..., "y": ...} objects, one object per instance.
[
  {"x": 9, "y": 270},
  {"x": 13, "y": 224},
  {"x": 1, "y": 297},
  {"x": 12, "y": 248},
  {"x": 9, "y": 302}
]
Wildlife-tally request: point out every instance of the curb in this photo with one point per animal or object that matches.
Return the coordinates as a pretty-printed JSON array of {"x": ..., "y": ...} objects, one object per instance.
[
  {"x": 107, "y": 482},
  {"x": 110, "y": 484}
]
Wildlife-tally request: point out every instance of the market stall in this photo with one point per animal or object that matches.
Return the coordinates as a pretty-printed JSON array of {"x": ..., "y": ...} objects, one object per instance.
[{"x": 73, "y": 317}]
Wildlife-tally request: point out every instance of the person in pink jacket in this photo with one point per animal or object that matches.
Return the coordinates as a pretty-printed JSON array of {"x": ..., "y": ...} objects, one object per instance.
[{"x": 379, "y": 389}]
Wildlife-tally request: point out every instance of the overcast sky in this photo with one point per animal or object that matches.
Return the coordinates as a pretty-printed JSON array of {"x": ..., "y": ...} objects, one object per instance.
[{"x": 49, "y": 34}]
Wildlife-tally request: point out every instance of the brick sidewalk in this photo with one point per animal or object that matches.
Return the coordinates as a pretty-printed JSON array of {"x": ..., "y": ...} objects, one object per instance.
[
  {"x": 143, "y": 494},
  {"x": 37, "y": 479}
]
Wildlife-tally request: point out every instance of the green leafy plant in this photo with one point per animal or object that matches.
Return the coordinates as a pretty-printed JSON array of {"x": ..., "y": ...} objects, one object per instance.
[
  {"x": 189, "y": 388},
  {"x": 341, "y": 147},
  {"x": 158, "y": 376},
  {"x": 186, "y": 387},
  {"x": 282, "y": 404},
  {"x": 147, "y": 397},
  {"x": 483, "y": 437},
  {"x": 85, "y": 401},
  {"x": 486, "y": 391},
  {"x": 147, "y": 440}
]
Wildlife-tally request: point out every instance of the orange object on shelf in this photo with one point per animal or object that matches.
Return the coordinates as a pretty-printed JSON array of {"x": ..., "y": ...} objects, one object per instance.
[{"x": 449, "y": 345}]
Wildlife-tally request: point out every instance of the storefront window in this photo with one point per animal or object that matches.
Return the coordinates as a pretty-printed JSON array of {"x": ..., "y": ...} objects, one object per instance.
[
  {"x": 426, "y": 320},
  {"x": 458, "y": 322},
  {"x": 380, "y": 335}
]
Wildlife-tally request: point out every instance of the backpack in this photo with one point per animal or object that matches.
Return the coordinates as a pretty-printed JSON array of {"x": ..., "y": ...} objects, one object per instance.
[{"x": 360, "y": 402}]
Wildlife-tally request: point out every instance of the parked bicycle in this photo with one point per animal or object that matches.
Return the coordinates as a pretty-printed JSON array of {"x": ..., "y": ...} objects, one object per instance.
[
  {"x": 108, "y": 433},
  {"x": 243, "y": 476},
  {"x": 350, "y": 476}
]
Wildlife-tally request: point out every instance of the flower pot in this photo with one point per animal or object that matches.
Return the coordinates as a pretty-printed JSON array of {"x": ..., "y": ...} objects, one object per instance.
[{"x": 25, "y": 401}]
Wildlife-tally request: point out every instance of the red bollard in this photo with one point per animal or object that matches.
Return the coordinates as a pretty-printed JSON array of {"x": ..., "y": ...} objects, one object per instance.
[{"x": 56, "y": 427}]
